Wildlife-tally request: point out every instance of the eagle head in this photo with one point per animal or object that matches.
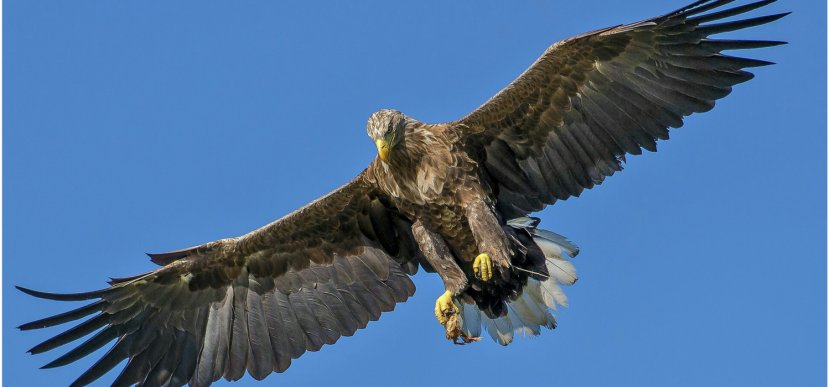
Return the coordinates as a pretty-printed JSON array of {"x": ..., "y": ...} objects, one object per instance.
[{"x": 386, "y": 129}]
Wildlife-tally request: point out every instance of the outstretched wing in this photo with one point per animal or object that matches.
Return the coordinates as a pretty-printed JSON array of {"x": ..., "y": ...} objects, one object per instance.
[
  {"x": 567, "y": 122},
  {"x": 250, "y": 303}
]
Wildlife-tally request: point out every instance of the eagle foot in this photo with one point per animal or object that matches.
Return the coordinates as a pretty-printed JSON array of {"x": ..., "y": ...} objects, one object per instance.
[
  {"x": 445, "y": 308},
  {"x": 448, "y": 315},
  {"x": 455, "y": 333},
  {"x": 483, "y": 267}
]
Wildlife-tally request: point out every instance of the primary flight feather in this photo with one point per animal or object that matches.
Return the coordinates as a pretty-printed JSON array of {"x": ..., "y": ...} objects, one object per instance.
[{"x": 452, "y": 198}]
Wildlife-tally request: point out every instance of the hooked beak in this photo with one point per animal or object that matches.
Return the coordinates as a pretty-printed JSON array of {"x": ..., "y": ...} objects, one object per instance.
[{"x": 383, "y": 150}]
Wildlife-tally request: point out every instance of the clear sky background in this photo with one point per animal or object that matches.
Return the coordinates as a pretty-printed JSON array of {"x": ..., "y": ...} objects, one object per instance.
[{"x": 152, "y": 126}]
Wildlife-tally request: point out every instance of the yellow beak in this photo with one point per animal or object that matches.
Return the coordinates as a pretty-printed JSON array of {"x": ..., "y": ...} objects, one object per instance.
[{"x": 383, "y": 150}]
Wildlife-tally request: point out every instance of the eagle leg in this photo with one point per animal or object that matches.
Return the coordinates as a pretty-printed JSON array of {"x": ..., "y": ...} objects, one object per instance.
[
  {"x": 438, "y": 254},
  {"x": 492, "y": 243}
]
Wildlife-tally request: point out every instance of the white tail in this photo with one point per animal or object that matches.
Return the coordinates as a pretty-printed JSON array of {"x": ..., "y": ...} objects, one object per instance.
[{"x": 530, "y": 312}]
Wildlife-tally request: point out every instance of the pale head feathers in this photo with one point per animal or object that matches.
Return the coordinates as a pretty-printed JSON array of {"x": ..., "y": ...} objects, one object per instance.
[{"x": 387, "y": 125}]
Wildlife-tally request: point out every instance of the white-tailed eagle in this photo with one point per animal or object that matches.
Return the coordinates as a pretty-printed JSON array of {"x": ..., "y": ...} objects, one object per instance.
[{"x": 452, "y": 198}]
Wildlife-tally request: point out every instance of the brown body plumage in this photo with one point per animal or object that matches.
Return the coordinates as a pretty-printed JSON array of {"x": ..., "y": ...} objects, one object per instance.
[
  {"x": 431, "y": 178},
  {"x": 452, "y": 198}
]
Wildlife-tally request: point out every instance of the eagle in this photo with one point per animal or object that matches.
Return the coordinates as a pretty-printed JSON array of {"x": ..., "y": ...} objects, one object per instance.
[{"x": 452, "y": 198}]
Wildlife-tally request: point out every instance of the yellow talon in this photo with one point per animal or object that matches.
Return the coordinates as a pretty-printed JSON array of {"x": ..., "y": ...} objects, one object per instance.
[
  {"x": 445, "y": 307},
  {"x": 483, "y": 267}
]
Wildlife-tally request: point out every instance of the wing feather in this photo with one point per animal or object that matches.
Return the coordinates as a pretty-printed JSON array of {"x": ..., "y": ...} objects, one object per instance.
[
  {"x": 261, "y": 353},
  {"x": 568, "y": 121},
  {"x": 251, "y": 303},
  {"x": 296, "y": 336},
  {"x": 239, "y": 341}
]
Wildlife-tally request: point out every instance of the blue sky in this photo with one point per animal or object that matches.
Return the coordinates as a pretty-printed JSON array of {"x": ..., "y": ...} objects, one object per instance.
[{"x": 152, "y": 126}]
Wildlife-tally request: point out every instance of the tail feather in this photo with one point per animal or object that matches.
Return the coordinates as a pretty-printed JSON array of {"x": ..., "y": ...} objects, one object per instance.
[
  {"x": 554, "y": 295},
  {"x": 531, "y": 311},
  {"x": 524, "y": 317},
  {"x": 472, "y": 320},
  {"x": 532, "y": 307},
  {"x": 500, "y": 329},
  {"x": 542, "y": 297},
  {"x": 521, "y": 327},
  {"x": 563, "y": 243},
  {"x": 562, "y": 270}
]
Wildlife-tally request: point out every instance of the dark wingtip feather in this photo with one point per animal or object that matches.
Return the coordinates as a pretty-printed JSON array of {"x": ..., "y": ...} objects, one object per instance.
[
  {"x": 71, "y": 315},
  {"x": 771, "y": 43},
  {"x": 730, "y": 12},
  {"x": 780, "y": 15},
  {"x": 72, "y": 334},
  {"x": 749, "y": 62},
  {"x": 717, "y": 28},
  {"x": 731, "y": 44},
  {"x": 699, "y": 7},
  {"x": 64, "y": 296},
  {"x": 117, "y": 280},
  {"x": 91, "y": 345},
  {"x": 162, "y": 259},
  {"x": 53, "y": 364}
]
